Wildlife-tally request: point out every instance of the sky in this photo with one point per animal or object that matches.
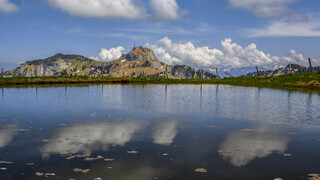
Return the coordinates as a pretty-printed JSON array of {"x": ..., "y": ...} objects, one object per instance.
[{"x": 202, "y": 33}]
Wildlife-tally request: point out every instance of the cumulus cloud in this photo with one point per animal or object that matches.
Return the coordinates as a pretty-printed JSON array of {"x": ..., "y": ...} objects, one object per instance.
[
  {"x": 110, "y": 54},
  {"x": 165, "y": 10},
  {"x": 263, "y": 8},
  {"x": 100, "y": 8},
  {"x": 308, "y": 28},
  {"x": 246, "y": 146},
  {"x": 232, "y": 55},
  {"x": 7, "y": 7}
]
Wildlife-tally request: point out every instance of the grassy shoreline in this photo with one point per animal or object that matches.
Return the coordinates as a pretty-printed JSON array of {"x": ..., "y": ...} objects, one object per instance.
[{"x": 306, "y": 81}]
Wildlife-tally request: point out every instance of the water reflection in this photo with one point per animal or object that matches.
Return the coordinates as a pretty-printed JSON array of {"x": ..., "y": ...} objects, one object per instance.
[
  {"x": 6, "y": 134},
  {"x": 86, "y": 138},
  {"x": 164, "y": 131},
  {"x": 241, "y": 147}
]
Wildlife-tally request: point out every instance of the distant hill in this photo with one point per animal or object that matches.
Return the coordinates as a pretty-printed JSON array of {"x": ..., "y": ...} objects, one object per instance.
[
  {"x": 295, "y": 68},
  {"x": 139, "y": 62}
]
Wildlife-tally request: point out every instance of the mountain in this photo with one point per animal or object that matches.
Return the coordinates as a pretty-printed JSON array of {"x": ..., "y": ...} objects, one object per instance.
[
  {"x": 139, "y": 62},
  {"x": 295, "y": 68}
]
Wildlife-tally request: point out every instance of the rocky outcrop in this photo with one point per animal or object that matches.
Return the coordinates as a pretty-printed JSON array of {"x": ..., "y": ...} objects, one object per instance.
[
  {"x": 295, "y": 68},
  {"x": 139, "y": 62}
]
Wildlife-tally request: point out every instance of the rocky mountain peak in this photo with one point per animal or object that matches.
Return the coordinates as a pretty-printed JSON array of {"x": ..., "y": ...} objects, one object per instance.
[{"x": 138, "y": 53}]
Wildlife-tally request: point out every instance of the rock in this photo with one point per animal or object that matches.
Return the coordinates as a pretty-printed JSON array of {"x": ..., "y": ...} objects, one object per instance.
[
  {"x": 287, "y": 155},
  {"x": 108, "y": 160},
  {"x": 39, "y": 174},
  {"x": 132, "y": 152},
  {"x": 6, "y": 162},
  {"x": 50, "y": 174},
  {"x": 78, "y": 170},
  {"x": 200, "y": 170}
]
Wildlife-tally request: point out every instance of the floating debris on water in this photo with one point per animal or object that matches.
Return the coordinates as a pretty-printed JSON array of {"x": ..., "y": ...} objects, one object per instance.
[
  {"x": 93, "y": 114},
  {"x": 165, "y": 154},
  {"x": 63, "y": 124},
  {"x": 132, "y": 152},
  {"x": 6, "y": 162},
  {"x": 30, "y": 164},
  {"x": 44, "y": 140},
  {"x": 50, "y": 174},
  {"x": 93, "y": 159},
  {"x": 211, "y": 127},
  {"x": 247, "y": 130},
  {"x": 287, "y": 155},
  {"x": 314, "y": 177},
  {"x": 109, "y": 167},
  {"x": 292, "y": 133},
  {"x": 200, "y": 170},
  {"x": 70, "y": 157},
  {"x": 76, "y": 143},
  {"x": 3, "y": 168},
  {"x": 39, "y": 174},
  {"x": 97, "y": 178},
  {"x": 78, "y": 170},
  {"x": 223, "y": 152},
  {"x": 24, "y": 130},
  {"x": 108, "y": 160}
]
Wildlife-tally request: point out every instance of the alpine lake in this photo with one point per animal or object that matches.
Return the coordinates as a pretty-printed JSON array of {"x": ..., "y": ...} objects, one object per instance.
[{"x": 149, "y": 132}]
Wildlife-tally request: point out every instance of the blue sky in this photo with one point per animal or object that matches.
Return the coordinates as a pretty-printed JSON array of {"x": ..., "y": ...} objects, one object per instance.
[{"x": 201, "y": 33}]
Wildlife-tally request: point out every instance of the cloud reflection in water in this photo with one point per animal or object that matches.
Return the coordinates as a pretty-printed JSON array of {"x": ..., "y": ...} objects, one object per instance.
[
  {"x": 241, "y": 147},
  {"x": 85, "y": 138},
  {"x": 6, "y": 134}
]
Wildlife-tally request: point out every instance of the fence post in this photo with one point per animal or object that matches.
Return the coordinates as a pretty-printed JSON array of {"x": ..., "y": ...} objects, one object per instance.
[
  {"x": 311, "y": 69},
  {"x": 258, "y": 71},
  {"x": 290, "y": 69},
  {"x": 229, "y": 75},
  {"x": 217, "y": 73}
]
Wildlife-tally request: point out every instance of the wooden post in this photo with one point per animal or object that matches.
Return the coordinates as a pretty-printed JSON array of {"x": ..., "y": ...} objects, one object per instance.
[
  {"x": 2, "y": 75},
  {"x": 258, "y": 71},
  {"x": 311, "y": 69},
  {"x": 290, "y": 69},
  {"x": 229, "y": 74},
  {"x": 217, "y": 73}
]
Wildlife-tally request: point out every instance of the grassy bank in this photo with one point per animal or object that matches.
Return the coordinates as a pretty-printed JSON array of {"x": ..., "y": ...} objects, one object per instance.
[{"x": 305, "y": 81}]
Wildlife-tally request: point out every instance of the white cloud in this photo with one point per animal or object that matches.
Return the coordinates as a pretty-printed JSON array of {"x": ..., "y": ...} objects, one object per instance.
[
  {"x": 7, "y": 7},
  {"x": 165, "y": 10},
  {"x": 111, "y": 54},
  {"x": 232, "y": 55},
  {"x": 100, "y": 8},
  {"x": 263, "y": 8},
  {"x": 308, "y": 28}
]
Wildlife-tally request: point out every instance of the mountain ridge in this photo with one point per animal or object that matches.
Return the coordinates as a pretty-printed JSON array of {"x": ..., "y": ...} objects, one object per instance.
[{"x": 139, "y": 62}]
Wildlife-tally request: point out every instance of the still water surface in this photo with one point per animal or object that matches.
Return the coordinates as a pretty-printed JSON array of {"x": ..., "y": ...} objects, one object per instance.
[{"x": 146, "y": 132}]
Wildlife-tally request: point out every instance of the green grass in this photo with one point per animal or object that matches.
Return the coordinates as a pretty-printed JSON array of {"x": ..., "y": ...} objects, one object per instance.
[{"x": 306, "y": 81}]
